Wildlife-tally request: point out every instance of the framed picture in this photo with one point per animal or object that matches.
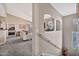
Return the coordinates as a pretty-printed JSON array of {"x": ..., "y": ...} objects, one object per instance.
[
  {"x": 49, "y": 24},
  {"x": 11, "y": 26}
]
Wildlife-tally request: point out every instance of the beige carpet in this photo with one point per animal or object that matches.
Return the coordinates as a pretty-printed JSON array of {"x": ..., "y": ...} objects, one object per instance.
[{"x": 16, "y": 47}]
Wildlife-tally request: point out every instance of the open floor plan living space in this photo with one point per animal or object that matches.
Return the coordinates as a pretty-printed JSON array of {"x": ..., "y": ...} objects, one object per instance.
[{"x": 39, "y": 29}]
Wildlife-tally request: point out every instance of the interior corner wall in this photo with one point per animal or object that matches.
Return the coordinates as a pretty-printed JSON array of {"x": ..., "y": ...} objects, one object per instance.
[
  {"x": 67, "y": 37},
  {"x": 46, "y": 8}
]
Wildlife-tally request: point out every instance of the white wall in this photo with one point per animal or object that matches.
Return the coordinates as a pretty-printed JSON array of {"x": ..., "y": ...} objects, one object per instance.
[
  {"x": 67, "y": 30},
  {"x": 55, "y": 38},
  {"x": 44, "y": 46}
]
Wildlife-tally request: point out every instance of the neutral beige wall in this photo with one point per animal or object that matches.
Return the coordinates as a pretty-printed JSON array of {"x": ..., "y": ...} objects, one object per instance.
[
  {"x": 16, "y": 20},
  {"x": 13, "y": 19},
  {"x": 67, "y": 30},
  {"x": 2, "y": 18},
  {"x": 44, "y": 46},
  {"x": 10, "y": 19}
]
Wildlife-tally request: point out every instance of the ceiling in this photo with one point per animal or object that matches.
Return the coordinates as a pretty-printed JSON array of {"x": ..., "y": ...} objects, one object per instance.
[
  {"x": 65, "y": 8},
  {"x": 24, "y": 10},
  {"x": 2, "y": 10}
]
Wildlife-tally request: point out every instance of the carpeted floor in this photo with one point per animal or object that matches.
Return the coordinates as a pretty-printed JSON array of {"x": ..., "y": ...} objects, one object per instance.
[{"x": 16, "y": 47}]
